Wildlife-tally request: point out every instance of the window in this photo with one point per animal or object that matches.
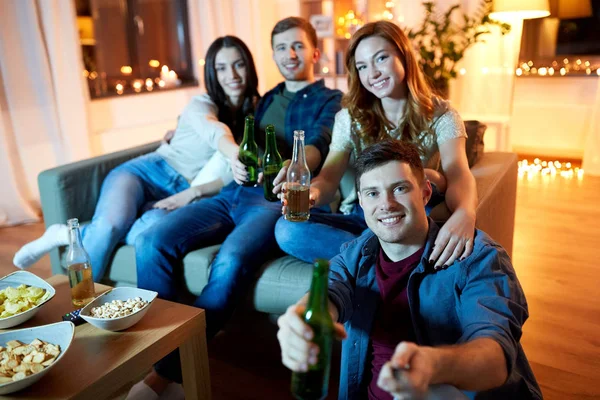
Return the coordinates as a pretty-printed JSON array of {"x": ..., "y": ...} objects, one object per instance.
[{"x": 134, "y": 46}]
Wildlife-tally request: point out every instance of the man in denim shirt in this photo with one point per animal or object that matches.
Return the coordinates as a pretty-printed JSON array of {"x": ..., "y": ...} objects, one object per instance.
[
  {"x": 407, "y": 326},
  {"x": 239, "y": 217}
]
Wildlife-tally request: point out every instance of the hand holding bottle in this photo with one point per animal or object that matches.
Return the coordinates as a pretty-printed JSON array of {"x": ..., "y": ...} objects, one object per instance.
[{"x": 294, "y": 335}]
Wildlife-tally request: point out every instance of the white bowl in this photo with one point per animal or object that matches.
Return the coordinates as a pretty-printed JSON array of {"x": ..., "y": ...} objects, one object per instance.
[
  {"x": 24, "y": 278},
  {"x": 60, "y": 333},
  {"x": 120, "y": 293}
]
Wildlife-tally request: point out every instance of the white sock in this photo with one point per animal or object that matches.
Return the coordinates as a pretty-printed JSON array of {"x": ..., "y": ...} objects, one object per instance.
[
  {"x": 141, "y": 391},
  {"x": 56, "y": 235},
  {"x": 173, "y": 392}
]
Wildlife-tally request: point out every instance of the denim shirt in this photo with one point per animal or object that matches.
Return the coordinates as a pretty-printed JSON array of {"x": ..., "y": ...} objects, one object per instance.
[
  {"x": 312, "y": 110},
  {"x": 474, "y": 298}
]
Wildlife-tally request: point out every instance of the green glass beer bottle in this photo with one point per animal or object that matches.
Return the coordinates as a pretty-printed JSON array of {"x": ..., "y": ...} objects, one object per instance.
[
  {"x": 272, "y": 163},
  {"x": 248, "y": 153},
  {"x": 314, "y": 384}
]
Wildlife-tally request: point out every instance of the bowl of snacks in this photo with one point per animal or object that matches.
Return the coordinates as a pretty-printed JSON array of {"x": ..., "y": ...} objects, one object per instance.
[
  {"x": 22, "y": 294},
  {"x": 28, "y": 354},
  {"x": 119, "y": 308}
]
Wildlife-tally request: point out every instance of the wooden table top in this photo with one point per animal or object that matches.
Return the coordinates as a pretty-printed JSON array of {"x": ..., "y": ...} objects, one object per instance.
[{"x": 99, "y": 362}]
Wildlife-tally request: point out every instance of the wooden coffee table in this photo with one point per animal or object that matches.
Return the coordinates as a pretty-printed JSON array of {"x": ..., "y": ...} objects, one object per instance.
[{"x": 99, "y": 362}]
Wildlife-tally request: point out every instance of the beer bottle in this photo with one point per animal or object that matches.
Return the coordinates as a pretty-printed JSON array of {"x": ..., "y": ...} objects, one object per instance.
[
  {"x": 272, "y": 163},
  {"x": 248, "y": 153},
  {"x": 79, "y": 267},
  {"x": 298, "y": 183},
  {"x": 314, "y": 383}
]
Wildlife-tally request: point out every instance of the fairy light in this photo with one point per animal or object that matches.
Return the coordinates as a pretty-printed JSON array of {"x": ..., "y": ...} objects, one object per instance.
[
  {"x": 119, "y": 88},
  {"x": 154, "y": 63},
  {"x": 325, "y": 70},
  {"x": 201, "y": 62},
  {"x": 462, "y": 71},
  {"x": 542, "y": 168},
  {"x": 126, "y": 70},
  {"x": 348, "y": 24},
  {"x": 578, "y": 67}
]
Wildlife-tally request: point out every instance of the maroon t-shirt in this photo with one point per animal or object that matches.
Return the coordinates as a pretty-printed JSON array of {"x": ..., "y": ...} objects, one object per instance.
[{"x": 393, "y": 323}]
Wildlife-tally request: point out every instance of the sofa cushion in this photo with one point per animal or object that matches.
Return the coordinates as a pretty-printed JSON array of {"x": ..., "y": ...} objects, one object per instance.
[{"x": 280, "y": 282}]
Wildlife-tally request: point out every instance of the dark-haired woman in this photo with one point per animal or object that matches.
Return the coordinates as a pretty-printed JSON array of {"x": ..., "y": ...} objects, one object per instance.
[{"x": 204, "y": 141}]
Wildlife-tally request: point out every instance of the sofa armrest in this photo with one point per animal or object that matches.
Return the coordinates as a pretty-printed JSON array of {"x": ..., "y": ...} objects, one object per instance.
[
  {"x": 496, "y": 179},
  {"x": 72, "y": 190}
]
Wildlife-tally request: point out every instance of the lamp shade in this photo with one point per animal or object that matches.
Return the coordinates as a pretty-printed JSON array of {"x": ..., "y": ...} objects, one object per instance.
[
  {"x": 523, "y": 9},
  {"x": 570, "y": 9}
]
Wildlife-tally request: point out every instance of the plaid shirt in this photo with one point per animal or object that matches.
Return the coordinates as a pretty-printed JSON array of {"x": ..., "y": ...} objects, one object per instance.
[{"x": 312, "y": 110}]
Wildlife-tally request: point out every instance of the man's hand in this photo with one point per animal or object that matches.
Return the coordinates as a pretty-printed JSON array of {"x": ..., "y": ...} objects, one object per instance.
[
  {"x": 177, "y": 200},
  {"x": 455, "y": 239},
  {"x": 294, "y": 335},
  {"x": 410, "y": 371},
  {"x": 281, "y": 178}
]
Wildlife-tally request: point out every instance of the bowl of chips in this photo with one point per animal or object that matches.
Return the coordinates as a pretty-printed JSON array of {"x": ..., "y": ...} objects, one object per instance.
[
  {"x": 22, "y": 294},
  {"x": 26, "y": 355}
]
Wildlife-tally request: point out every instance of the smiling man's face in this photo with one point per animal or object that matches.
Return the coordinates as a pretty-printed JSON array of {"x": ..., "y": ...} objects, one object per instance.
[
  {"x": 393, "y": 200},
  {"x": 294, "y": 55}
]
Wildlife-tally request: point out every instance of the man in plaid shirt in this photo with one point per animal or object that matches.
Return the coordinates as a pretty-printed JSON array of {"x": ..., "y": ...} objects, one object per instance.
[{"x": 239, "y": 216}]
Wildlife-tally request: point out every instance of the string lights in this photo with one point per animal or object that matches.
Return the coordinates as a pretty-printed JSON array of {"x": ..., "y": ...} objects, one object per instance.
[
  {"x": 563, "y": 67},
  {"x": 548, "y": 168},
  {"x": 348, "y": 24}
]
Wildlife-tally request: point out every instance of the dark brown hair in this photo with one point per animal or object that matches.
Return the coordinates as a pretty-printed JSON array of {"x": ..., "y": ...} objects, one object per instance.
[
  {"x": 233, "y": 119},
  {"x": 295, "y": 22},
  {"x": 389, "y": 150},
  {"x": 366, "y": 108}
]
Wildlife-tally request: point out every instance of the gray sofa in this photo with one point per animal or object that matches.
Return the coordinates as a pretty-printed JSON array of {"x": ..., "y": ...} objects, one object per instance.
[{"x": 72, "y": 191}]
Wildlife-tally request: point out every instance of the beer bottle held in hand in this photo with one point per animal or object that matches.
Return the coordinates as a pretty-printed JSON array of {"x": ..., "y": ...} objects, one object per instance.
[
  {"x": 298, "y": 183},
  {"x": 79, "y": 268},
  {"x": 314, "y": 384},
  {"x": 272, "y": 163},
  {"x": 248, "y": 153}
]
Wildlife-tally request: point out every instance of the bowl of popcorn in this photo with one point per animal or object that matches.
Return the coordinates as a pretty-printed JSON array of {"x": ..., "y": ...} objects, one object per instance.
[
  {"x": 26, "y": 355},
  {"x": 119, "y": 308},
  {"x": 22, "y": 294}
]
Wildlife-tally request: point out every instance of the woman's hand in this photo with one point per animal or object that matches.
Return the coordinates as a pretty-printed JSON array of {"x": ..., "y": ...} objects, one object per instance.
[
  {"x": 240, "y": 174},
  {"x": 177, "y": 200},
  {"x": 455, "y": 239},
  {"x": 312, "y": 197}
]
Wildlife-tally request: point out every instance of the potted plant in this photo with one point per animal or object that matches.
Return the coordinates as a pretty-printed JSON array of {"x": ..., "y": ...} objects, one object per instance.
[{"x": 441, "y": 42}]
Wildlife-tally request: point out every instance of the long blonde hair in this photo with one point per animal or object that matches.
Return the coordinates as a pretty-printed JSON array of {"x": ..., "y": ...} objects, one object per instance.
[{"x": 366, "y": 108}]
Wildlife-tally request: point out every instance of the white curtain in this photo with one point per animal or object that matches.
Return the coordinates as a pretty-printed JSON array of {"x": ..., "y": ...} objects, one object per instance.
[{"x": 43, "y": 101}]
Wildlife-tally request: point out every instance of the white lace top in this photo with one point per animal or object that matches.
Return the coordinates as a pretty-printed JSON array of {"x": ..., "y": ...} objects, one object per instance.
[{"x": 445, "y": 125}]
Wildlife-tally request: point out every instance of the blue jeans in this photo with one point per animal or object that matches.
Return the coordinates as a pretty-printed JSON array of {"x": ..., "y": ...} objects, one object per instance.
[
  {"x": 125, "y": 192},
  {"x": 321, "y": 236},
  {"x": 324, "y": 233},
  {"x": 239, "y": 217}
]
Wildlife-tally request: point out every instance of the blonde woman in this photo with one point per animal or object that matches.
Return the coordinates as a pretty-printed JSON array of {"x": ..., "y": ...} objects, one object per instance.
[{"x": 388, "y": 97}]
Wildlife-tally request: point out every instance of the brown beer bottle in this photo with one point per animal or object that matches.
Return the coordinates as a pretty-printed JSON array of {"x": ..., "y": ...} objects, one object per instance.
[
  {"x": 79, "y": 267},
  {"x": 314, "y": 383},
  {"x": 298, "y": 183}
]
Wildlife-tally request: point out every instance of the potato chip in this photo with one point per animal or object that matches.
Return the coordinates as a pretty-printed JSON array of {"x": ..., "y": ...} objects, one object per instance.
[{"x": 20, "y": 299}]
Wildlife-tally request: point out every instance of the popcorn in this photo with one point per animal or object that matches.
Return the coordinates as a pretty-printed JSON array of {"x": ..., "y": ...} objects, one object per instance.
[{"x": 118, "y": 308}]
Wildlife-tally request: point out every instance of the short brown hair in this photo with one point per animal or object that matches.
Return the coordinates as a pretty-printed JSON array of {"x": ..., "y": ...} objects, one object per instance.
[
  {"x": 389, "y": 150},
  {"x": 295, "y": 22}
]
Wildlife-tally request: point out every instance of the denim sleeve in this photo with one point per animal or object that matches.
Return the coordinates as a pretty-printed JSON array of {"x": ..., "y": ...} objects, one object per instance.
[
  {"x": 319, "y": 134},
  {"x": 341, "y": 287},
  {"x": 492, "y": 303}
]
